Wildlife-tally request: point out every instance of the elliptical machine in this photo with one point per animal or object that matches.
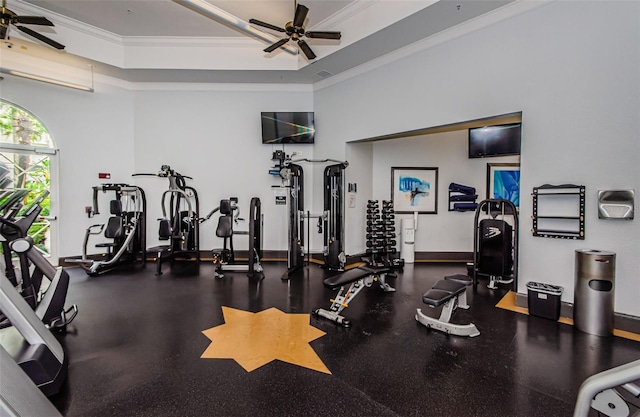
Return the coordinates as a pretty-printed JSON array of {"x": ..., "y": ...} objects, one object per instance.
[
  {"x": 180, "y": 222},
  {"x": 126, "y": 228},
  {"x": 49, "y": 304},
  {"x": 224, "y": 258}
]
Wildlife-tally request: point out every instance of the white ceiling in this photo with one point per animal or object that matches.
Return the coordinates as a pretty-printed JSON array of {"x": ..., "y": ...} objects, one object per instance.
[{"x": 164, "y": 41}]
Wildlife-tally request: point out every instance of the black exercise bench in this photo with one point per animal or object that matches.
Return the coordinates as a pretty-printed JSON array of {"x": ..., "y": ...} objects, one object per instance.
[
  {"x": 351, "y": 282},
  {"x": 450, "y": 293}
]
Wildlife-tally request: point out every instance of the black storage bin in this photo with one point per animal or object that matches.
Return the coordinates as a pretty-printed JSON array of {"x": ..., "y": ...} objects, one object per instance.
[{"x": 544, "y": 300}]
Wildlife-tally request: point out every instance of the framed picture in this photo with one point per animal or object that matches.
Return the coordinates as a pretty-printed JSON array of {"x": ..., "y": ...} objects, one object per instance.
[
  {"x": 503, "y": 182},
  {"x": 414, "y": 189}
]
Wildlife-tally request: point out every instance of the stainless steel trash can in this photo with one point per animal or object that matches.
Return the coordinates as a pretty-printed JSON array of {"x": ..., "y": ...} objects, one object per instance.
[{"x": 593, "y": 300}]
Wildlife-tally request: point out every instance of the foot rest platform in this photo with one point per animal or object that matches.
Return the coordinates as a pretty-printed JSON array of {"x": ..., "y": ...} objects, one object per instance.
[{"x": 353, "y": 275}]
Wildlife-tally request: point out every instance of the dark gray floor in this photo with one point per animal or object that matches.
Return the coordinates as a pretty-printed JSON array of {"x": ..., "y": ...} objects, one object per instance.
[{"x": 135, "y": 349}]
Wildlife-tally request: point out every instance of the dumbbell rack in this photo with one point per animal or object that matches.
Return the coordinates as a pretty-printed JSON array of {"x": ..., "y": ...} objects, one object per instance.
[{"x": 381, "y": 233}]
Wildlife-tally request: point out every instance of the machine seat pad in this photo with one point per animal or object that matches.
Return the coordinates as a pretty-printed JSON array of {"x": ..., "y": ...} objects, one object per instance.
[
  {"x": 105, "y": 245},
  {"x": 442, "y": 292},
  {"x": 374, "y": 270},
  {"x": 436, "y": 298},
  {"x": 465, "y": 279},
  {"x": 352, "y": 275},
  {"x": 451, "y": 286},
  {"x": 225, "y": 226}
]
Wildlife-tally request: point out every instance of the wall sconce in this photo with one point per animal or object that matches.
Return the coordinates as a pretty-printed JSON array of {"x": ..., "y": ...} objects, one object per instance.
[{"x": 48, "y": 80}]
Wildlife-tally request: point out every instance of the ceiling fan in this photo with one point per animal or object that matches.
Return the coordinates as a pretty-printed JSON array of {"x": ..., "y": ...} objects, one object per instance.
[
  {"x": 295, "y": 31},
  {"x": 7, "y": 18}
]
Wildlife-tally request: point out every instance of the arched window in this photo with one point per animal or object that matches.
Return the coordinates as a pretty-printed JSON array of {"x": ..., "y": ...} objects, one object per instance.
[{"x": 26, "y": 155}]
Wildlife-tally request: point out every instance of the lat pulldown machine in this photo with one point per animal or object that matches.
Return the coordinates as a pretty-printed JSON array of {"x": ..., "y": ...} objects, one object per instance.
[{"x": 330, "y": 221}]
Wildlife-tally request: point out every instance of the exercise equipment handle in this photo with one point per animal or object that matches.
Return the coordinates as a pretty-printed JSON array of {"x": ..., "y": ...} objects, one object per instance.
[
  {"x": 96, "y": 210},
  {"x": 36, "y": 203}
]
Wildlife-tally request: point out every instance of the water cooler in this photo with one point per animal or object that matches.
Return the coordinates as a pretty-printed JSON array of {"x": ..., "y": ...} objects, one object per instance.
[{"x": 408, "y": 249}]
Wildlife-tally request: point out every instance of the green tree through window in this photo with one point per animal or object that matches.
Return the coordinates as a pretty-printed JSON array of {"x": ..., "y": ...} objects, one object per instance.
[{"x": 25, "y": 150}]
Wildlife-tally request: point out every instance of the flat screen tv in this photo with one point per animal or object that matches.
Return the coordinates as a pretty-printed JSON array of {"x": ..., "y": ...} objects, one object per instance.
[
  {"x": 498, "y": 140},
  {"x": 287, "y": 127}
]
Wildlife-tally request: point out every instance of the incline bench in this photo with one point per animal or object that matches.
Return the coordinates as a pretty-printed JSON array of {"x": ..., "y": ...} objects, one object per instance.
[
  {"x": 357, "y": 278},
  {"x": 451, "y": 294}
]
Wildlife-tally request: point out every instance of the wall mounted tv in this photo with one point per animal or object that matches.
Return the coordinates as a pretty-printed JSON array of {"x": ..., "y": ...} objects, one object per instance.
[
  {"x": 498, "y": 140},
  {"x": 287, "y": 127}
]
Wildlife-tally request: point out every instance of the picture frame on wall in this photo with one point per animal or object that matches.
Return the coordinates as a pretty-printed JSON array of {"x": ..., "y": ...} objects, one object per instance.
[
  {"x": 503, "y": 182},
  {"x": 414, "y": 189}
]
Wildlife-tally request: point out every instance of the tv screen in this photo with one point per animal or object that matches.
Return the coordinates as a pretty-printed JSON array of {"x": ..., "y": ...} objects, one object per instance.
[
  {"x": 287, "y": 127},
  {"x": 496, "y": 140}
]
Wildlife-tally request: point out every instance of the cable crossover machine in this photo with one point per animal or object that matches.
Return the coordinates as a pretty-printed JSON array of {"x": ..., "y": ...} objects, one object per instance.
[{"x": 330, "y": 222}]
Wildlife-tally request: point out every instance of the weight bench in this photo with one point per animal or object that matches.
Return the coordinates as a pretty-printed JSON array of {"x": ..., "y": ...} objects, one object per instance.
[
  {"x": 451, "y": 294},
  {"x": 357, "y": 279}
]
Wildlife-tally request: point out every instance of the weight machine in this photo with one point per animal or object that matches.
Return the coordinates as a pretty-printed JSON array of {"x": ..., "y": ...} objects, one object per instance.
[
  {"x": 330, "y": 221},
  {"x": 180, "y": 222},
  {"x": 126, "y": 229},
  {"x": 495, "y": 243},
  {"x": 224, "y": 258}
]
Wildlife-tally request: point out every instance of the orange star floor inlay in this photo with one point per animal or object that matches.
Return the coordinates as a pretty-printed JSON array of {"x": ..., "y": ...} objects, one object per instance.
[{"x": 255, "y": 339}]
